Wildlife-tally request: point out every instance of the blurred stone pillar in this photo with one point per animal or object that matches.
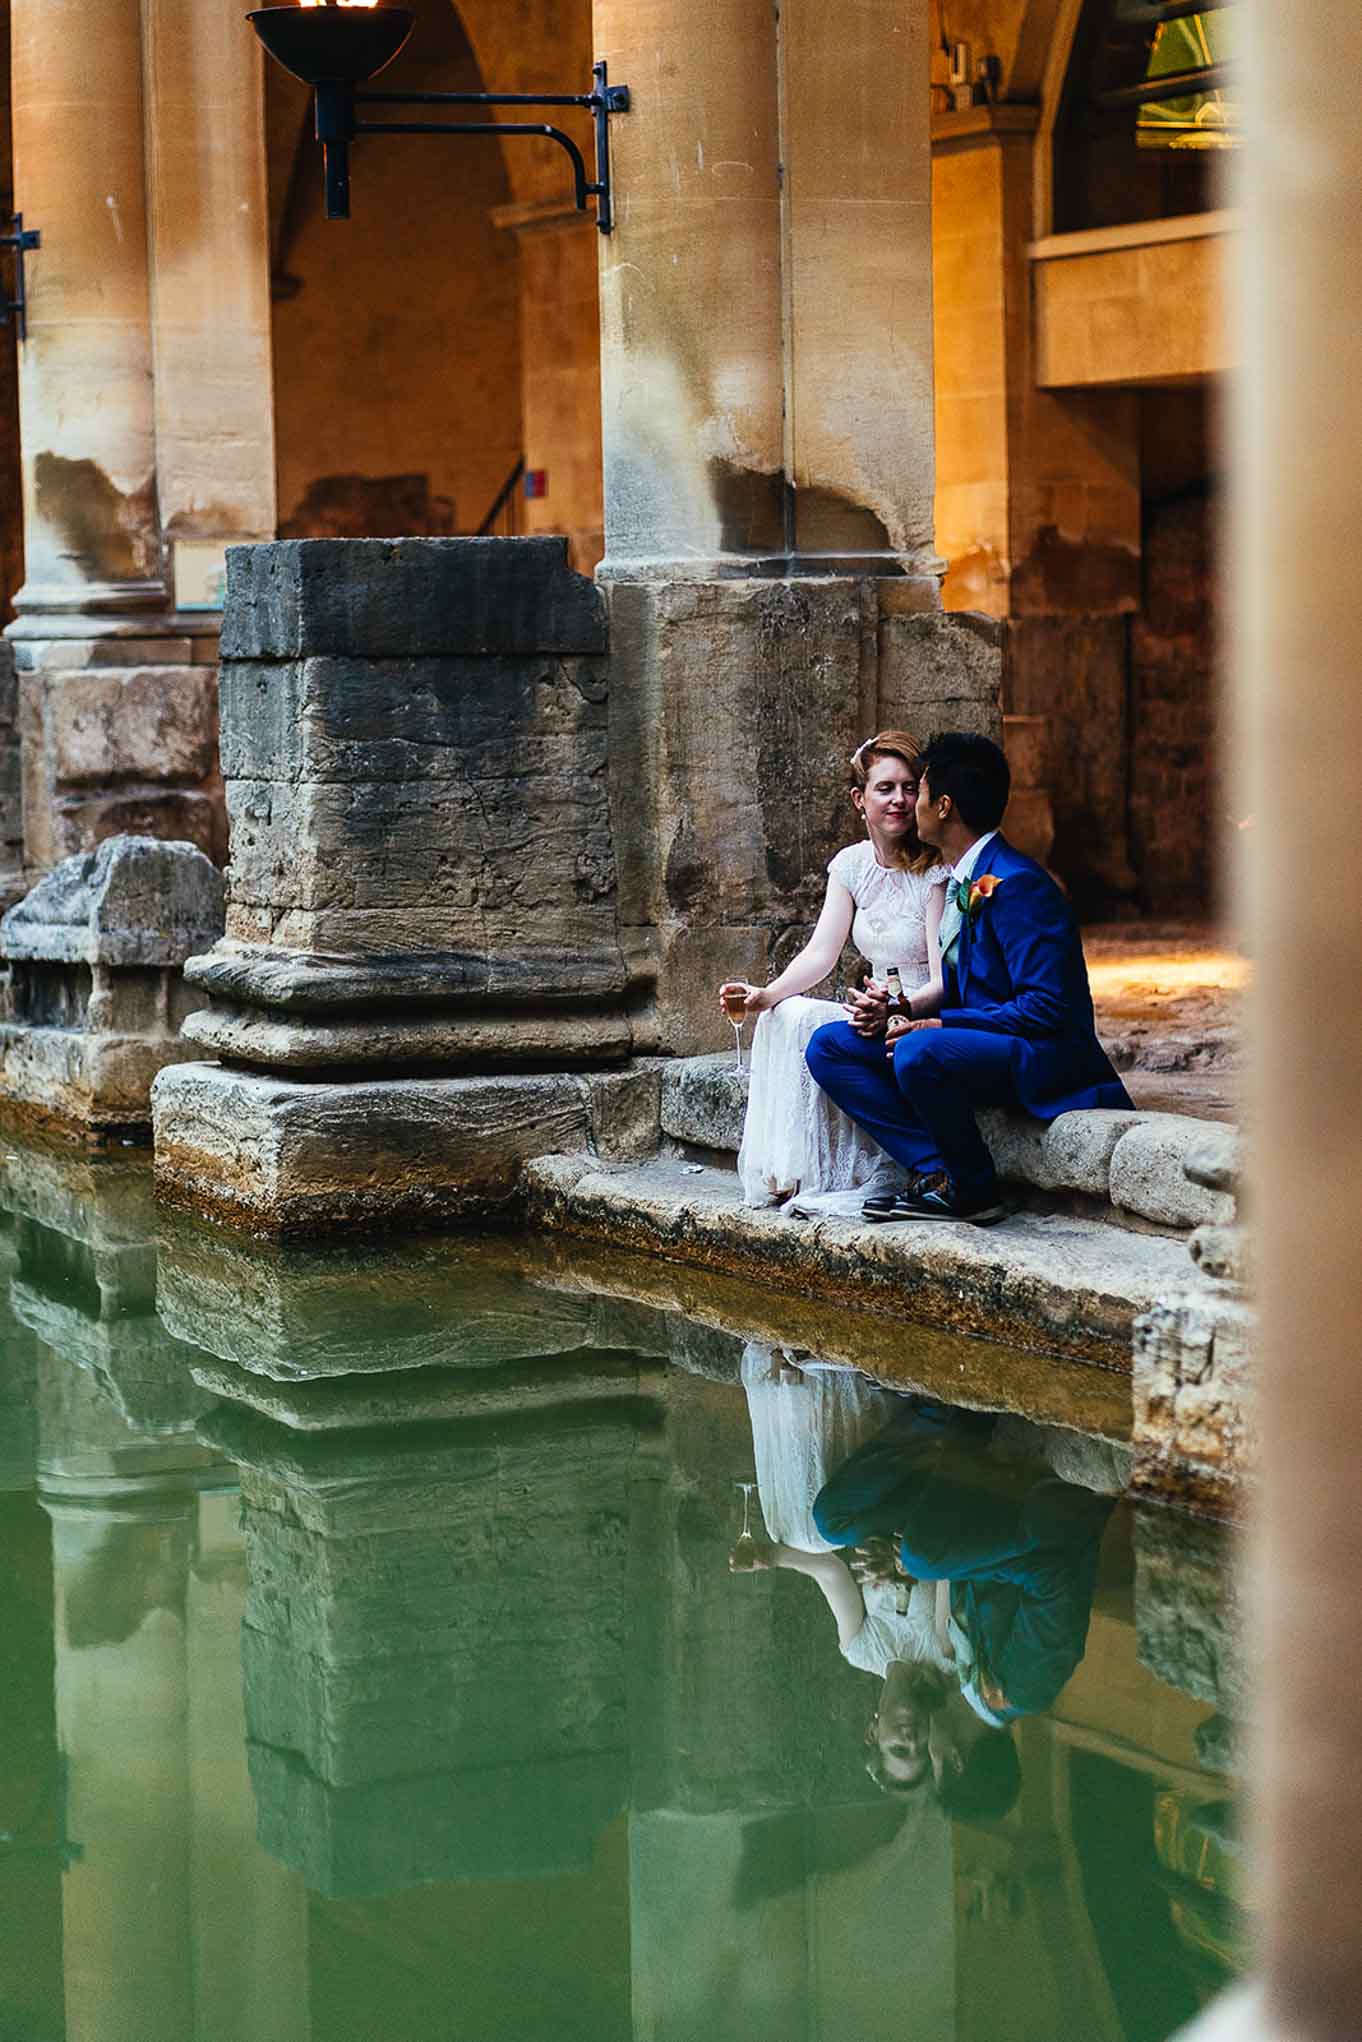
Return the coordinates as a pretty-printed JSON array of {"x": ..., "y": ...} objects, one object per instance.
[
  {"x": 145, "y": 408},
  {"x": 1298, "y": 496},
  {"x": 766, "y": 373}
]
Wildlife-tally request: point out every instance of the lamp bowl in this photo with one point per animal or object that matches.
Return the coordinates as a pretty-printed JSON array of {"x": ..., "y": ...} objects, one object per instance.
[{"x": 333, "y": 45}]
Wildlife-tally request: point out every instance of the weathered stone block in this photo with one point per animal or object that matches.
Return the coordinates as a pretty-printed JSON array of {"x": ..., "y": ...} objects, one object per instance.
[
  {"x": 626, "y": 1108},
  {"x": 1149, "y": 1173},
  {"x": 138, "y": 723},
  {"x": 134, "y": 901},
  {"x": 1195, "y": 1431},
  {"x": 118, "y": 737},
  {"x": 939, "y": 670},
  {"x": 704, "y": 1101},
  {"x": 414, "y": 739},
  {"x": 1072, "y": 1153},
  {"x": 96, "y": 995},
  {"x": 284, "y": 1157},
  {"x": 394, "y": 598}
]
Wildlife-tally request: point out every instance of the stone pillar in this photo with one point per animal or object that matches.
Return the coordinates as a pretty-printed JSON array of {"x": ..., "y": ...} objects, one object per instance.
[
  {"x": 425, "y": 881},
  {"x": 766, "y": 295},
  {"x": 87, "y": 404},
  {"x": 210, "y": 304},
  {"x": 121, "y": 1715},
  {"x": 692, "y": 373},
  {"x": 144, "y": 408},
  {"x": 766, "y": 371}
]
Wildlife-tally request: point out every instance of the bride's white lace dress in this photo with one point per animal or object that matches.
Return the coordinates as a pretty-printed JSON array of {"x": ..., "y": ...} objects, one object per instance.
[
  {"x": 807, "y": 1419},
  {"x": 795, "y": 1141}
]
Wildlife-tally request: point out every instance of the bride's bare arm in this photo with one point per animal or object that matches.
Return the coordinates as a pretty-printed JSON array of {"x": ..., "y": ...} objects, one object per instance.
[
  {"x": 841, "y": 1590},
  {"x": 818, "y": 957}
]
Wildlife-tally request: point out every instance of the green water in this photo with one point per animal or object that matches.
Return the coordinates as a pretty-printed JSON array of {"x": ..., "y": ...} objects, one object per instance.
[{"x": 374, "y": 1672}]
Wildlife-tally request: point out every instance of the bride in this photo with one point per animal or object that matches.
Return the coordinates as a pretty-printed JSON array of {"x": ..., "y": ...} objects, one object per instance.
[{"x": 887, "y": 894}]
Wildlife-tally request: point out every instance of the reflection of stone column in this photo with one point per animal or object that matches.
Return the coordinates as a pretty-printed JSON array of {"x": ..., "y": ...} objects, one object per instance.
[
  {"x": 250, "y": 1912},
  {"x": 436, "y": 1644},
  {"x": 120, "y": 1577}
]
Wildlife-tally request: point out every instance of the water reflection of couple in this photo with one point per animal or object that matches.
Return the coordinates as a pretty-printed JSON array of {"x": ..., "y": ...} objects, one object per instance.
[{"x": 968, "y": 1584}]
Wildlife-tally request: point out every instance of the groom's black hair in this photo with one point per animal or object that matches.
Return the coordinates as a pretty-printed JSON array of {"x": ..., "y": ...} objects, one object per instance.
[
  {"x": 973, "y": 771},
  {"x": 988, "y": 1787}
]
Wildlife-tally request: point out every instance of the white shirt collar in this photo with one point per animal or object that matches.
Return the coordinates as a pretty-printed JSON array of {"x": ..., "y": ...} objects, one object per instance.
[{"x": 965, "y": 868}]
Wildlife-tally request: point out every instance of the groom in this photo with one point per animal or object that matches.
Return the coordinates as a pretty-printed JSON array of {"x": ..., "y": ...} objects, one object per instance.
[{"x": 1016, "y": 1022}]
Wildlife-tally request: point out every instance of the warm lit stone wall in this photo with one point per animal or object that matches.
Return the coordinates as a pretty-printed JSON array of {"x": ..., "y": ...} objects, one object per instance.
[{"x": 395, "y": 333}]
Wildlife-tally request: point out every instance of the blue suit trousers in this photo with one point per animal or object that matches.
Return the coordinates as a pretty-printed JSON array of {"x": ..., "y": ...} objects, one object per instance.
[{"x": 920, "y": 1105}]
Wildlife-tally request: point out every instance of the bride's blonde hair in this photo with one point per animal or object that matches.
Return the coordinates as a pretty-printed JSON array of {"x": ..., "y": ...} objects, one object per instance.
[{"x": 894, "y": 744}]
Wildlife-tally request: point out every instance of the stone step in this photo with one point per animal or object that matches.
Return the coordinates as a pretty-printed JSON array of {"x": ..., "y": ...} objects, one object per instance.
[
  {"x": 1051, "y": 1282},
  {"x": 1135, "y": 1163}
]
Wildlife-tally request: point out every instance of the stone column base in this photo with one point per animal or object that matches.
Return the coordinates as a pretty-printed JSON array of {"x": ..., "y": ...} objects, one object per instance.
[
  {"x": 282, "y": 1157},
  {"x": 97, "y": 1084}
]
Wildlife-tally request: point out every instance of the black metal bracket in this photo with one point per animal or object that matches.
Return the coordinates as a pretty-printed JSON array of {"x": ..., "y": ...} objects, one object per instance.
[
  {"x": 20, "y": 238},
  {"x": 337, "y": 125}
]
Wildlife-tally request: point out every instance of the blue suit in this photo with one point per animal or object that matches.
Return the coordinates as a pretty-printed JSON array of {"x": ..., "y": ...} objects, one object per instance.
[
  {"x": 1019, "y": 1547},
  {"x": 1016, "y": 1029}
]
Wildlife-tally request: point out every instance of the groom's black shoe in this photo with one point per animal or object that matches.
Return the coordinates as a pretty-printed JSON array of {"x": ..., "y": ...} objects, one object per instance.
[{"x": 935, "y": 1198}]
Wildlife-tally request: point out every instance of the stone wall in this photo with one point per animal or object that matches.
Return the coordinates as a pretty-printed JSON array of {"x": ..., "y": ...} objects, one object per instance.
[
  {"x": 734, "y": 710},
  {"x": 423, "y": 445},
  {"x": 119, "y": 737},
  {"x": 1176, "y": 802}
]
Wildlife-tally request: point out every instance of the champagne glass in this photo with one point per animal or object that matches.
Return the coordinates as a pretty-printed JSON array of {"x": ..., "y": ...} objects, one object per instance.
[
  {"x": 735, "y": 1007},
  {"x": 747, "y": 1489}
]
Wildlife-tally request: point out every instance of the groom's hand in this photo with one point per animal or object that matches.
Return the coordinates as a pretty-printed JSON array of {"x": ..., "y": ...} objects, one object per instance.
[{"x": 869, "y": 1010}]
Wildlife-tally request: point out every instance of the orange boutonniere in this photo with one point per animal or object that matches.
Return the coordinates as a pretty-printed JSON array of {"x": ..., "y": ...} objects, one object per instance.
[{"x": 980, "y": 891}]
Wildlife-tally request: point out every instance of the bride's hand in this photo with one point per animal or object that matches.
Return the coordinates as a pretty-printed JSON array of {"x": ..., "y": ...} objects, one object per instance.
[
  {"x": 754, "y": 998},
  {"x": 752, "y": 1556},
  {"x": 869, "y": 1010}
]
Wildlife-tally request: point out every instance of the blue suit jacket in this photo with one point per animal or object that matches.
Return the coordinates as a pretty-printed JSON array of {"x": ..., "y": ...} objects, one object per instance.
[{"x": 1018, "y": 970}]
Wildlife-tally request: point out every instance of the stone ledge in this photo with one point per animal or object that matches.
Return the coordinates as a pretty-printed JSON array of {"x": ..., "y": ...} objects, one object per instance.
[
  {"x": 281, "y": 1156},
  {"x": 1136, "y": 1162},
  {"x": 1068, "y": 1286}
]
